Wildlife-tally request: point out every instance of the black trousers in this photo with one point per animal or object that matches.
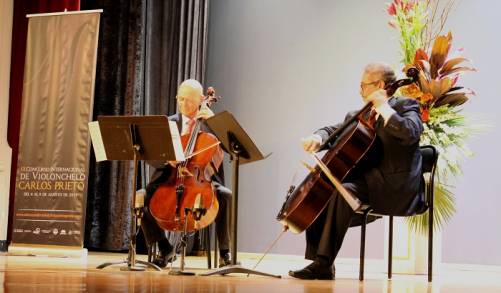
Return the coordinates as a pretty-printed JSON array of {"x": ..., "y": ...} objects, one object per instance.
[
  {"x": 325, "y": 235},
  {"x": 153, "y": 233}
]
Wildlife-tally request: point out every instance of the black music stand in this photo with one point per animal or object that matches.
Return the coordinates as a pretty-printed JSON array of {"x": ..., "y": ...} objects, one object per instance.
[
  {"x": 125, "y": 138},
  {"x": 242, "y": 149}
]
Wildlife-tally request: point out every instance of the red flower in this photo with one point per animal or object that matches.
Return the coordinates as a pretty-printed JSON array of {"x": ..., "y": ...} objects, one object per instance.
[
  {"x": 405, "y": 6},
  {"x": 425, "y": 114},
  {"x": 391, "y": 9}
]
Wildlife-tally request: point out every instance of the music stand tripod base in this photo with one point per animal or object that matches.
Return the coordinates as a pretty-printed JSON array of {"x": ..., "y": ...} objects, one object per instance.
[
  {"x": 142, "y": 267},
  {"x": 237, "y": 269},
  {"x": 181, "y": 273}
]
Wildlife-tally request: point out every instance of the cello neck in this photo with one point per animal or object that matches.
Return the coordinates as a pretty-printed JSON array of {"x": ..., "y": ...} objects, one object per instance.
[
  {"x": 207, "y": 102},
  {"x": 345, "y": 125},
  {"x": 190, "y": 146}
]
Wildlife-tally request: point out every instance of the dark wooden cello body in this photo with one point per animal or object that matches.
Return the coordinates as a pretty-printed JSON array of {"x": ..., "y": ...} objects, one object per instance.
[{"x": 346, "y": 147}]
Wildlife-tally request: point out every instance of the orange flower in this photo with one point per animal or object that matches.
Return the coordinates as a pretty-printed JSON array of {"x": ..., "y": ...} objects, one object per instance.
[
  {"x": 411, "y": 91},
  {"x": 426, "y": 98}
]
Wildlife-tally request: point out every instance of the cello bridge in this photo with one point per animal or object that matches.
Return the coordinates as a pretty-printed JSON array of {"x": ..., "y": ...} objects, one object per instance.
[{"x": 184, "y": 171}]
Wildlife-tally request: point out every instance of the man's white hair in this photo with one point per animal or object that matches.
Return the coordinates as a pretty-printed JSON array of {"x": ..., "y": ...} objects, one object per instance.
[
  {"x": 382, "y": 70},
  {"x": 194, "y": 84}
]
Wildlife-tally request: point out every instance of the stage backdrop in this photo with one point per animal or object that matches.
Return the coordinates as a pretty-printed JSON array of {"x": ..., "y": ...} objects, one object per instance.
[{"x": 51, "y": 179}]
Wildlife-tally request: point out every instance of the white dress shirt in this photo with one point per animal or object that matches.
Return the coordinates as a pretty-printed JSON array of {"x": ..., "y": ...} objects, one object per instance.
[{"x": 185, "y": 124}]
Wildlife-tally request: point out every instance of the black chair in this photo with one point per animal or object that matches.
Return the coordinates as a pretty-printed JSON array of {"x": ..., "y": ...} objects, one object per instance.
[
  {"x": 205, "y": 234},
  {"x": 430, "y": 158}
]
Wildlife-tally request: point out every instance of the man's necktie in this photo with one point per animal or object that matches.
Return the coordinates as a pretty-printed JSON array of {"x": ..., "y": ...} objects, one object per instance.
[
  {"x": 372, "y": 117},
  {"x": 190, "y": 124}
]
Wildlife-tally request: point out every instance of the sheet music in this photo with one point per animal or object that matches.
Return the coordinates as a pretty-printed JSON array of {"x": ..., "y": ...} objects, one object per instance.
[
  {"x": 97, "y": 141},
  {"x": 176, "y": 141}
]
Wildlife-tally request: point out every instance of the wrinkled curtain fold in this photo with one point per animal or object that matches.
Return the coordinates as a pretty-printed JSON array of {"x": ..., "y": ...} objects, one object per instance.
[
  {"x": 145, "y": 49},
  {"x": 176, "y": 50}
]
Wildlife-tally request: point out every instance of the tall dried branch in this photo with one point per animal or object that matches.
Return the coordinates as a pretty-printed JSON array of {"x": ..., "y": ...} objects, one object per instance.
[{"x": 435, "y": 23}]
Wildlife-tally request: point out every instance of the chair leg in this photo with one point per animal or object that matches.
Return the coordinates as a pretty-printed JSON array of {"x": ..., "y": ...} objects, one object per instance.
[
  {"x": 216, "y": 249},
  {"x": 152, "y": 252},
  {"x": 430, "y": 243},
  {"x": 207, "y": 245},
  {"x": 390, "y": 248},
  {"x": 362, "y": 245}
]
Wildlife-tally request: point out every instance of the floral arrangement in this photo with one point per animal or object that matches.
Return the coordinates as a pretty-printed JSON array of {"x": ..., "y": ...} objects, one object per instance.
[{"x": 420, "y": 24}]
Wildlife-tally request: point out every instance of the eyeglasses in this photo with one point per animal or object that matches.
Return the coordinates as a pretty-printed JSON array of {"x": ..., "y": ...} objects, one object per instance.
[
  {"x": 364, "y": 84},
  {"x": 185, "y": 99}
]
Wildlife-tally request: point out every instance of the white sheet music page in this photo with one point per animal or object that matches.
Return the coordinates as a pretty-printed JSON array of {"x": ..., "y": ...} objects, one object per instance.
[
  {"x": 97, "y": 141},
  {"x": 176, "y": 141}
]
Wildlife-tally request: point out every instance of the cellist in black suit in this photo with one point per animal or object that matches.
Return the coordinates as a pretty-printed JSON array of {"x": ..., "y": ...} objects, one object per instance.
[
  {"x": 390, "y": 179},
  {"x": 189, "y": 98}
]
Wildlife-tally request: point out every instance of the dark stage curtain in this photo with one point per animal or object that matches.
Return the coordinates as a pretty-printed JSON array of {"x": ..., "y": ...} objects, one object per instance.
[
  {"x": 145, "y": 49},
  {"x": 19, "y": 34}
]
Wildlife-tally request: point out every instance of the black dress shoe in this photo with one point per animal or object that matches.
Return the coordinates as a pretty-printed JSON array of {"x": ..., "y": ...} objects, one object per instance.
[
  {"x": 224, "y": 260},
  {"x": 314, "y": 271},
  {"x": 165, "y": 257}
]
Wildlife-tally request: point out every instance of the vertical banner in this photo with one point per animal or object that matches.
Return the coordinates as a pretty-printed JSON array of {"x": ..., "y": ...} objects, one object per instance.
[{"x": 58, "y": 92}]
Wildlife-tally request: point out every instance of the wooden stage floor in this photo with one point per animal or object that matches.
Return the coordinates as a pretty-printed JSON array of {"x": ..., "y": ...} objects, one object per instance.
[{"x": 48, "y": 274}]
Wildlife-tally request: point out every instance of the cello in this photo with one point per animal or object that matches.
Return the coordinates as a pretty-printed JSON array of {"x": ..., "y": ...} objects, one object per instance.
[
  {"x": 189, "y": 183},
  {"x": 346, "y": 147}
]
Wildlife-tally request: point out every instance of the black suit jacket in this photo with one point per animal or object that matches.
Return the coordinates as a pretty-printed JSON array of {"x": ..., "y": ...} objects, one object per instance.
[
  {"x": 394, "y": 176},
  {"x": 163, "y": 170}
]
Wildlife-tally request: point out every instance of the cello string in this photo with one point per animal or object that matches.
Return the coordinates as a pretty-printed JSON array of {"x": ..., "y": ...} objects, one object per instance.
[
  {"x": 188, "y": 150},
  {"x": 293, "y": 180},
  {"x": 294, "y": 176},
  {"x": 203, "y": 150},
  {"x": 351, "y": 199}
]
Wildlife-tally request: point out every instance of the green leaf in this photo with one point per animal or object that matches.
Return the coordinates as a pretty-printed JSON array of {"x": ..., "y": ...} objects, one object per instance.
[{"x": 444, "y": 209}]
